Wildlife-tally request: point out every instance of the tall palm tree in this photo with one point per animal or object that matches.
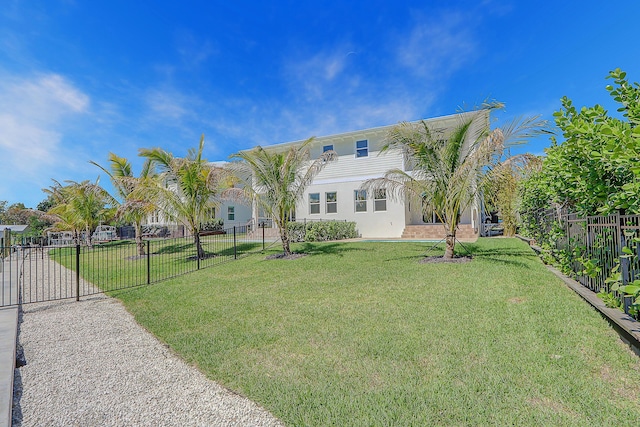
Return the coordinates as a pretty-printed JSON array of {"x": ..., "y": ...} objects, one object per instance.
[
  {"x": 132, "y": 207},
  {"x": 446, "y": 169},
  {"x": 197, "y": 188},
  {"x": 276, "y": 180},
  {"x": 81, "y": 206}
]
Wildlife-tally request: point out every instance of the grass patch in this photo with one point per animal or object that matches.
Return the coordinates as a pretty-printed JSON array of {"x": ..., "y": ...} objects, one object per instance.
[{"x": 363, "y": 334}]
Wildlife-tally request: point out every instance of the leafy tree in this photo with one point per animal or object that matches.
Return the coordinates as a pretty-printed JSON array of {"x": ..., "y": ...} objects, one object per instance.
[
  {"x": 447, "y": 169},
  {"x": 186, "y": 188},
  {"x": 45, "y": 205},
  {"x": 596, "y": 169},
  {"x": 502, "y": 193},
  {"x": 133, "y": 206},
  {"x": 276, "y": 180}
]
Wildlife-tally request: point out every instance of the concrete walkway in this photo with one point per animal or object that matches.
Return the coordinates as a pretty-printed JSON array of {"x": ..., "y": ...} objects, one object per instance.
[
  {"x": 8, "y": 332},
  {"x": 9, "y": 275}
]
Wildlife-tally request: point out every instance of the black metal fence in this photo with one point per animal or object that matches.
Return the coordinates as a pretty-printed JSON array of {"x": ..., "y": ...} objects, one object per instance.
[
  {"x": 31, "y": 274},
  {"x": 597, "y": 251}
]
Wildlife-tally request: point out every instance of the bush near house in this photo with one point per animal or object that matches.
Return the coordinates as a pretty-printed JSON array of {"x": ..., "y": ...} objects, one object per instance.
[{"x": 322, "y": 231}]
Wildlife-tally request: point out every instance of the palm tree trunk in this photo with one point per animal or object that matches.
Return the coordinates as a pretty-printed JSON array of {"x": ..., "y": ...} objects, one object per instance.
[
  {"x": 450, "y": 240},
  {"x": 196, "y": 241},
  {"x": 284, "y": 236},
  {"x": 88, "y": 238},
  {"x": 139, "y": 241}
]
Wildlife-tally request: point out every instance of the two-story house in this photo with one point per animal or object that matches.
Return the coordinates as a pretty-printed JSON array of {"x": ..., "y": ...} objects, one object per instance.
[{"x": 335, "y": 193}]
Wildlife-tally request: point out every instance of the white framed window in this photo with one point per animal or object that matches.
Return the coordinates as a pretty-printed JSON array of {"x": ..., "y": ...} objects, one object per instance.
[
  {"x": 332, "y": 202},
  {"x": 360, "y": 200},
  {"x": 326, "y": 148},
  {"x": 314, "y": 203},
  {"x": 380, "y": 200},
  {"x": 231, "y": 213},
  {"x": 362, "y": 148}
]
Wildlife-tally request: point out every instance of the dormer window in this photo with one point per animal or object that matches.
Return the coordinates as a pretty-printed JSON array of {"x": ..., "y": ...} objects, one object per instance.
[
  {"x": 326, "y": 148},
  {"x": 362, "y": 148}
]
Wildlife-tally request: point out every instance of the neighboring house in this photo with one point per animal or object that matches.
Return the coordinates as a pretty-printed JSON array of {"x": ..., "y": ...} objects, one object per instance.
[
  {"x": 335, "y": 193},
  {"x": 232, "y": 213}
]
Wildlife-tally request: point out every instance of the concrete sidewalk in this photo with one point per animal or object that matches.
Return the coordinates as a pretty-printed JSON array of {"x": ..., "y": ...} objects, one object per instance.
[
  {"x": 9, "y": 276},
  {"x": 8, "y": 335}
]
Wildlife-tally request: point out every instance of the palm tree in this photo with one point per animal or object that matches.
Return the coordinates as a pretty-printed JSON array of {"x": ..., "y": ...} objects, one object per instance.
[
  {"x": 197, "y": 188},
  {"x": 133, "y": 209},
  {"x": 446, "y": 169},
  {"x": 276, "y": 180},
  {"x": 80, "y": 206}
]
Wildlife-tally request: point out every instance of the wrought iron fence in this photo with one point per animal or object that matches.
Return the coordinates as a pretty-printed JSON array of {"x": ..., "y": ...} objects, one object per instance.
[
  {"x": 45, "y": 273},
  {"x": 596, "y": 250}
]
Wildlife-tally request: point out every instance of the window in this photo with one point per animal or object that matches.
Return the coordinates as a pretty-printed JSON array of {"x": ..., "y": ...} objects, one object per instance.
[
  {"x": 314, "y": 203},
  {"x": 231, "y": 213},
  {"x": 380, "y": 200},
  {"x": 211, "y": 213},
  {"x": 431, "y": 218},
  {"x": 327, "y": 148},
  {"x": 360, "y": 198},
  {"x": 362, "y": 148},
  {"x": 332, "y": 202}
]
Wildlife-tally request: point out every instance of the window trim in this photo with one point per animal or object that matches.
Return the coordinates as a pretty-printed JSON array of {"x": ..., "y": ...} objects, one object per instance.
[
  {"x": 333, "y": 203},
  {"x": 359, "y": 201},
  {"x": 377, "y": 199},
  {"x": 364, "y": 150},
  {"x": 328, "y": 147},
  {"x": 314, "y": 204},
  {"x": 231, "y": 213}
]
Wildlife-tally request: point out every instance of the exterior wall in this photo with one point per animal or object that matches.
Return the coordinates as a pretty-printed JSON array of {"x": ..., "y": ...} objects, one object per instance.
[
  {"x": 370, "y": 224},
  {"x": 241, "y": 214}
]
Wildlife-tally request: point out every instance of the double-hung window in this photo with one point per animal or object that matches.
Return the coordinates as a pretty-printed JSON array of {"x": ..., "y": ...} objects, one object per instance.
[
  {"x": 380, "y": 200},
  {"x": 360, "y": 200},
  {"x": 231, "y": 213},
  {"x": 332, "y": 202},
  {"x": 314, "y": 203},
  {"x": 362, "y": 148}
]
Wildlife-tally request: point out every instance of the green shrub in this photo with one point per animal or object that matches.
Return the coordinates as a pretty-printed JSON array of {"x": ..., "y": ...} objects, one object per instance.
[{"x": 321, "y": 231}]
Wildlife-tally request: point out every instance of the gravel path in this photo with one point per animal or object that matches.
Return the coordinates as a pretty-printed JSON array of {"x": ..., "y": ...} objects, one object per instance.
[{"x": 90, "y": 364}]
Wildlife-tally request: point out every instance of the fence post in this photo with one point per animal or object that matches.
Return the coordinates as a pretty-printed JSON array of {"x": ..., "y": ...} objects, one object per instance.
[
  {"x": 148, "y": 262},
  {"x": 235, "y": 246},
  {"x": 77, "y": 272},
  {"x": 263, "y": 224},
  {"x": 624, "y": 259}
]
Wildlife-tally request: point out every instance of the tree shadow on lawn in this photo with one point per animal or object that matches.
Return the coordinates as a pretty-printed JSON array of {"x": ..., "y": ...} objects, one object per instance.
[
  {"x": 174, "y": 249},
  {"x": 241, "y": 249},
  {"x": 500, "y": 255},
  {"x": 339, "y": 249},
  {"x": 510, "y": 256}
]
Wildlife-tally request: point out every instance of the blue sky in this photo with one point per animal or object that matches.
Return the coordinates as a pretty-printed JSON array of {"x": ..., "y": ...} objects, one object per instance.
[{"x": 79, "y": 79}]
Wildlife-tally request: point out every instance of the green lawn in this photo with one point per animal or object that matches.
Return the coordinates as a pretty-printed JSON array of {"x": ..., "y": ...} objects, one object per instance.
[{"x": 363, "y": 334}]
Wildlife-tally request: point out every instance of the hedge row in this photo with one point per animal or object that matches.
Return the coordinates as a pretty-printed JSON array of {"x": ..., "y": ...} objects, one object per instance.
[{"x": 321, "y": 231}]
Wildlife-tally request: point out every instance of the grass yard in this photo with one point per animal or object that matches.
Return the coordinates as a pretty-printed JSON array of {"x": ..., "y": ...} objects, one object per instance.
[{"x": 363, "y": 334}]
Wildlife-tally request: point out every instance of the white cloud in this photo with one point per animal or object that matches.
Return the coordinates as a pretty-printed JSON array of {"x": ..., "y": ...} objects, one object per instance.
[
  {"x": 314, "y": 77},
  {"x": 436, "y": 47},
  {"x": 33, "y": 115},
  {"x": 167, "y": 104}
]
